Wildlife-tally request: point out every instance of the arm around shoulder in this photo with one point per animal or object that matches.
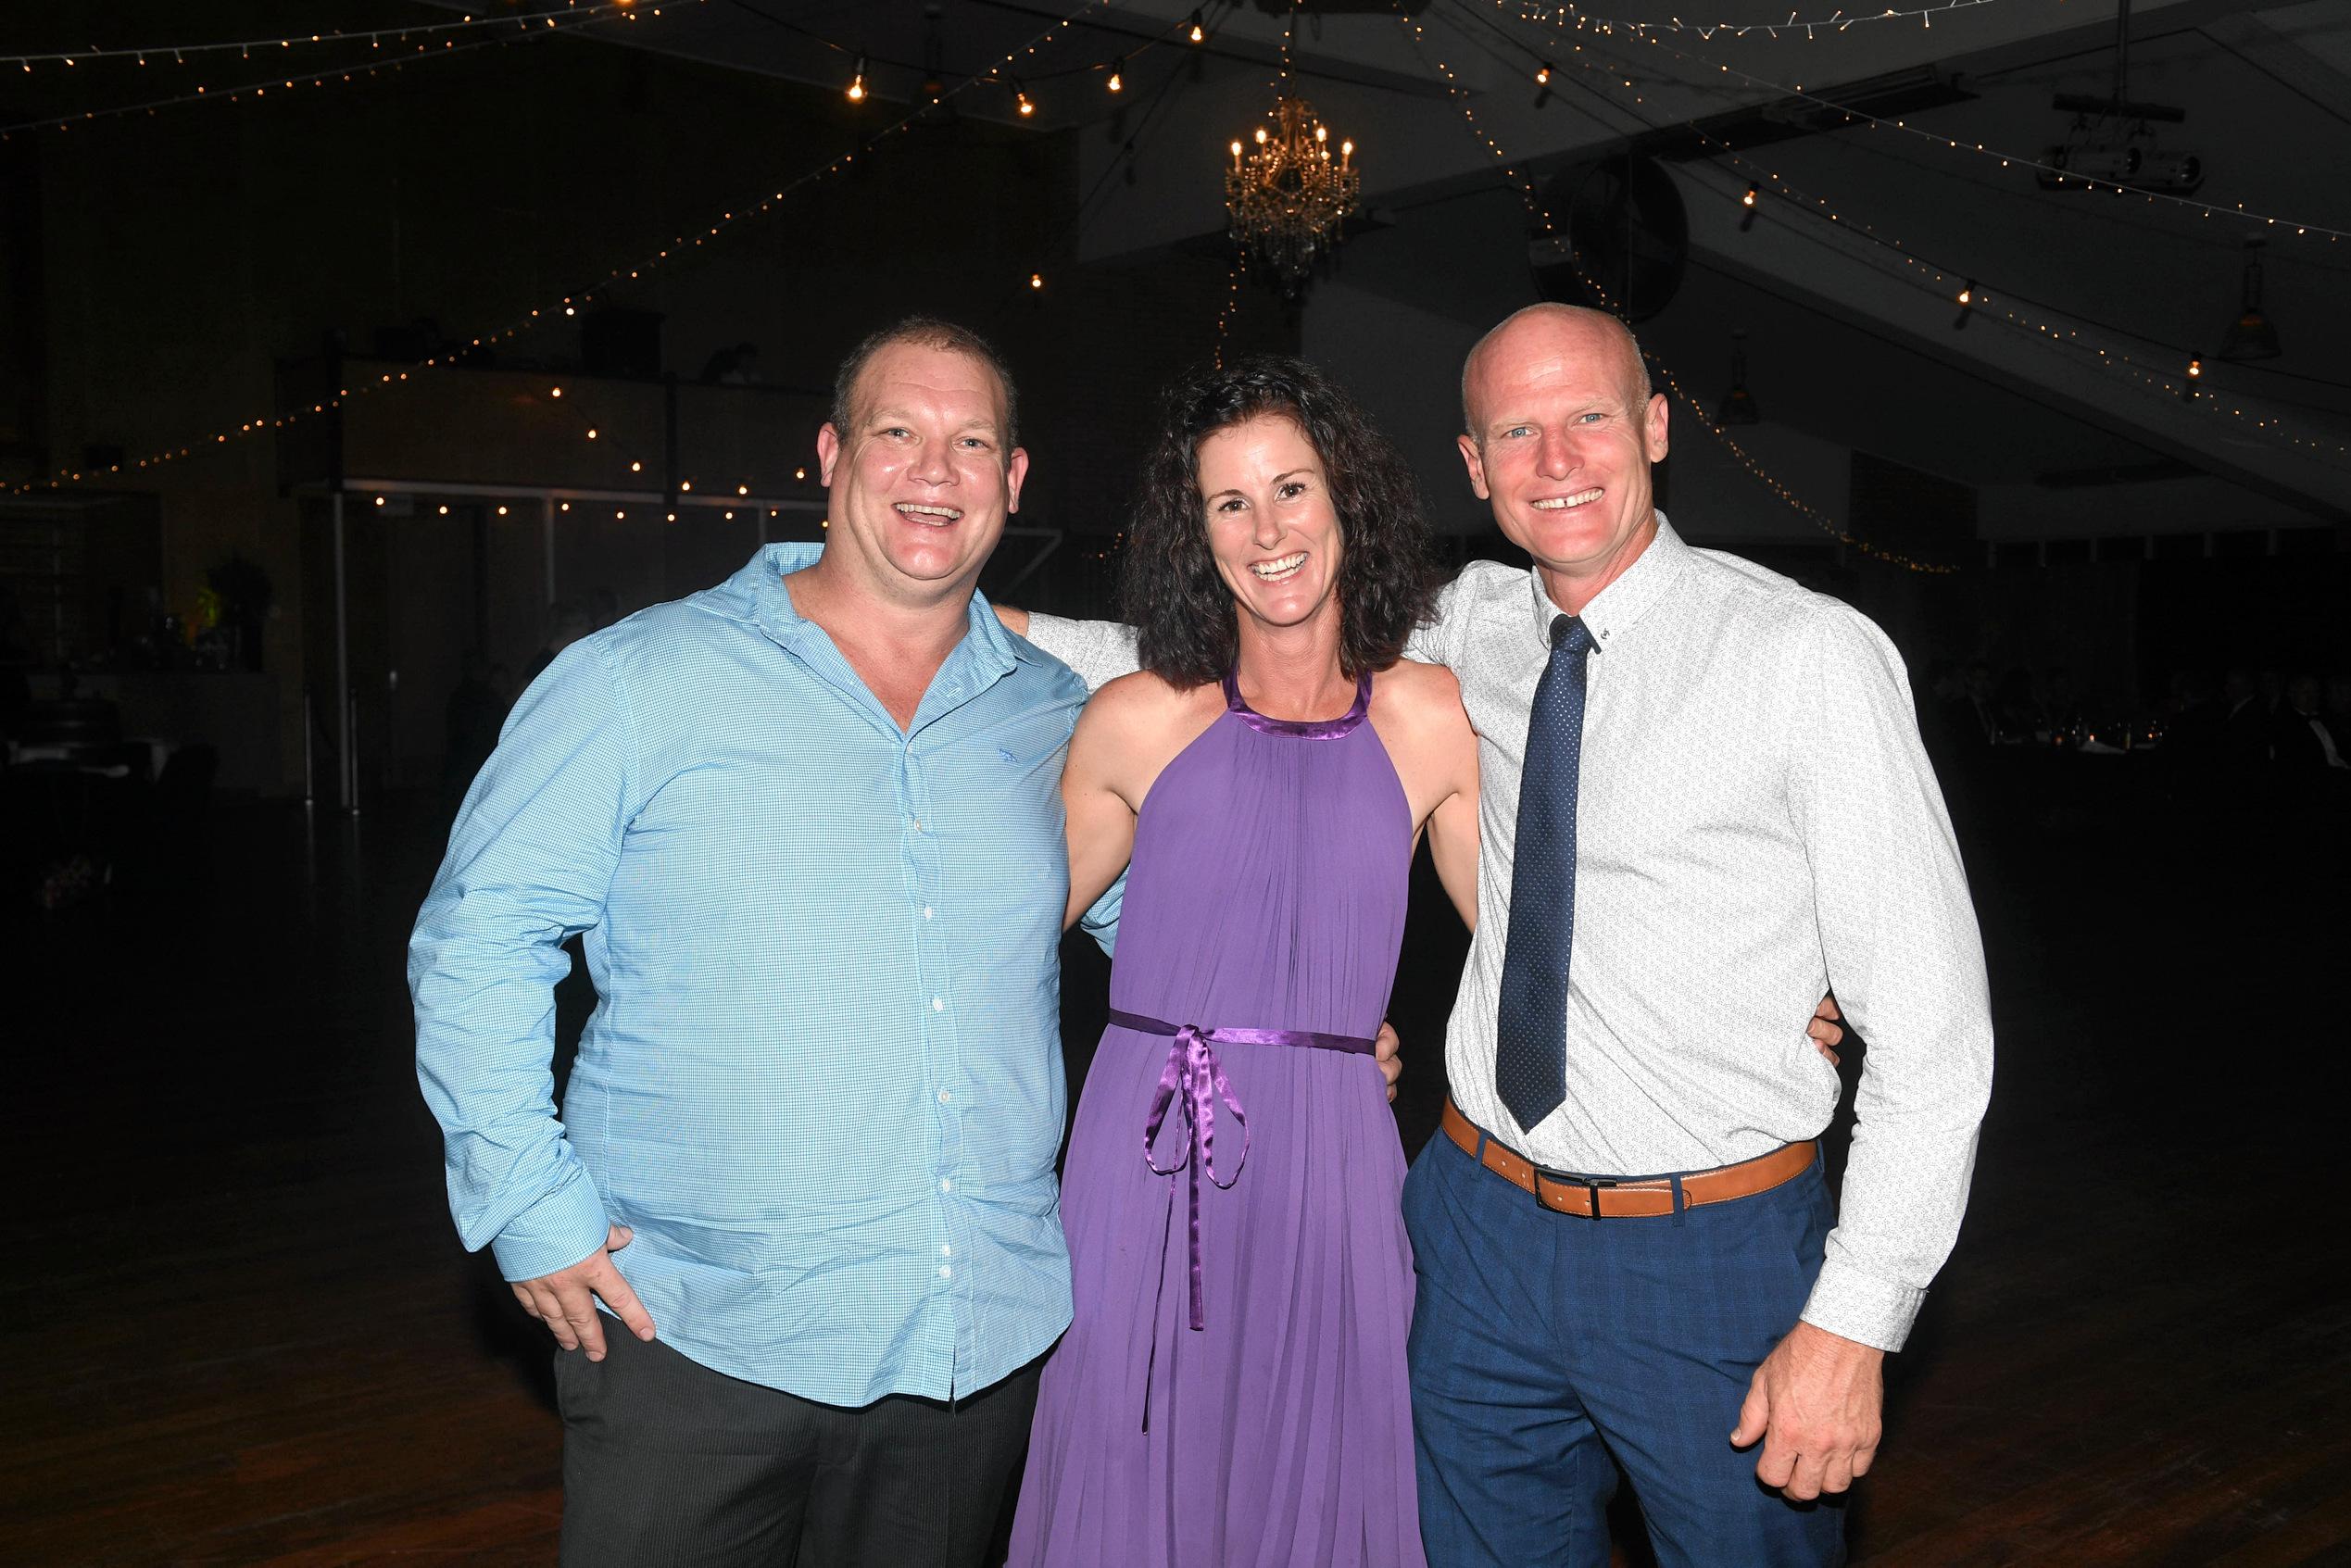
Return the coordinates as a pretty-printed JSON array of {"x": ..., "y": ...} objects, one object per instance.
[{"x": 1101, "y": 651}]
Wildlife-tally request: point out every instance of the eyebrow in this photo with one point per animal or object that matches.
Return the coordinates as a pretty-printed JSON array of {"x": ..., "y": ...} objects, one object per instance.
[
  {"x": 906, "y": 416},
  {"x": 1286, "y": 473},
  {"x": 1597, "y": 405}
]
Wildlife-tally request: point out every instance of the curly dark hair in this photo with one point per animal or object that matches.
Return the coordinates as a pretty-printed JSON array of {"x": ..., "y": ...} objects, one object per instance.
[{"x": 1186, "y": 622}]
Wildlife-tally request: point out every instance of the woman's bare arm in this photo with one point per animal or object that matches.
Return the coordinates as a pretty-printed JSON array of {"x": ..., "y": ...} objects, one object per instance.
[
  {"x": 1100, "y": 824},
  {"x": 1429, "y": 738}
]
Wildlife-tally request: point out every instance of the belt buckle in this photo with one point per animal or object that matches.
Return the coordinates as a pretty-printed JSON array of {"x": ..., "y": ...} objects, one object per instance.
[{"x": 1592, "y": 1186}]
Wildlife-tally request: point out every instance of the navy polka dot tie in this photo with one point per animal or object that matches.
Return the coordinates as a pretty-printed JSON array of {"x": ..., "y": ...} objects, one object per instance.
[{"x": 1530, "y": 1057}]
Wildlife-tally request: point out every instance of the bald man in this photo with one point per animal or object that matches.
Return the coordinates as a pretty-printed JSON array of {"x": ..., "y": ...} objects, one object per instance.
[{"x": 1704, "y": 800}]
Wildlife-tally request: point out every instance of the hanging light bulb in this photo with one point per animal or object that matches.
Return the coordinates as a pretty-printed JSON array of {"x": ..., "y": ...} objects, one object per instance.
[
  {"x": 1021, "y": 100},
  {"x": 857, "y": 82},
  {"x": 2252, "y": 335},
  {"x": 1199, "y": 33},
  {"x": 1037, "y": 280},
  {"x": 1966, "y": 306},
  {"x": 1118, "y": 78},
  {"x": 1738, "y": 403},
  {"x": 1542, "y": 74}
]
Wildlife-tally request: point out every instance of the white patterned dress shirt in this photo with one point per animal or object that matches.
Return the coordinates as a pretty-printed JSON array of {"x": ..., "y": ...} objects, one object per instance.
[{"x": 1756, "y": 820}]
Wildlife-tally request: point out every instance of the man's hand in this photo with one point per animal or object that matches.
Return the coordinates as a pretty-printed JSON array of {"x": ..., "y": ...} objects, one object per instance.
[
  {"x": 1816, "y": 1402},
  {"x": 1826, "y": 1030},
  {"x": 564, "y": 1301},
  {"x": 1384, "y": 1052}
]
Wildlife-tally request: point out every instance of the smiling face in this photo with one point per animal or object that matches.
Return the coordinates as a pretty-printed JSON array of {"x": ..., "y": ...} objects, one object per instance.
[
  {"x": 1272, "y": 526},
  {"x": 1560, "y": 442},
  {"x": 925, "y": 477}
]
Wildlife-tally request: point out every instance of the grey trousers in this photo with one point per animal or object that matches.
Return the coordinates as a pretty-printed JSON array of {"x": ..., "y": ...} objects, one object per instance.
[{"x": 668, "y": 1465}]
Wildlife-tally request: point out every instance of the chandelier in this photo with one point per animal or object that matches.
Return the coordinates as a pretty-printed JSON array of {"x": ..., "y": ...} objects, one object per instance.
[{"x": 1287, "y": 196}]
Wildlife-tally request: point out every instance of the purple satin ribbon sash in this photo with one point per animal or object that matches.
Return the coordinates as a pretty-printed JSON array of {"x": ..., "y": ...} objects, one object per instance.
[{"x": 1192, "y": 1083}]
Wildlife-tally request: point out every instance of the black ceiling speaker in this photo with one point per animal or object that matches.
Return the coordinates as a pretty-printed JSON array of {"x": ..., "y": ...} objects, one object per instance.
[{"x": 1620, "y": 240}]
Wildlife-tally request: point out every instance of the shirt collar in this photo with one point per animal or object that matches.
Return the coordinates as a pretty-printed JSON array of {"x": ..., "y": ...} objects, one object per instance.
[
  {"x": 1621, "y": 604},
  {"x": 758, "y": 590}
]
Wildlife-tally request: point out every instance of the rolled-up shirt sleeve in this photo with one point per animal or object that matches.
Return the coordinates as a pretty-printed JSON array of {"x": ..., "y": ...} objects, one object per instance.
[
  {"x": 1898, "y": 931},
  {"x": 529, "y": 865}
]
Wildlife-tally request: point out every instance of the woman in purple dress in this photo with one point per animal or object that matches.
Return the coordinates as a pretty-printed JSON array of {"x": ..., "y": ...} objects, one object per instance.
[{"x": 1233, "y": 1388}]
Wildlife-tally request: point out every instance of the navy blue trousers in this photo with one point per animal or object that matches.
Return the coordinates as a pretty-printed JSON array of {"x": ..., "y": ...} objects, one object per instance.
[{"x": 1548, "y": 1349}]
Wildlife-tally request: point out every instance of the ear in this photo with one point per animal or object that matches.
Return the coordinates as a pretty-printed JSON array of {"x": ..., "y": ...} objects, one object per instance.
[
  {"x": 1653, "y": 428},
  {"x": 828, "y": 452},
  {"x": 1015, "y": 471},
  {"x": 1473, "y": 457}
]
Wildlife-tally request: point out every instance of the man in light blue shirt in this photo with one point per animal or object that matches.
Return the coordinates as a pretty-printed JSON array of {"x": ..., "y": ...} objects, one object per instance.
[{"x": 809, "y": 824}]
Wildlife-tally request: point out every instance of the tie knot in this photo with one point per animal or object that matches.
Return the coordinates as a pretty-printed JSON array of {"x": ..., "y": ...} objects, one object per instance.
[{"x": 1569, "y": 633}]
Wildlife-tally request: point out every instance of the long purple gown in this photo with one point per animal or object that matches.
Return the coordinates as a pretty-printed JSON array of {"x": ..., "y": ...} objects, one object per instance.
[{"x": 1267, "y": 893}]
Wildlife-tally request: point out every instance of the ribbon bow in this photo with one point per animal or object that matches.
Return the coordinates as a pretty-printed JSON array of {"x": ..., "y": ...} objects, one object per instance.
[{"x": 1192, "y": 1083}]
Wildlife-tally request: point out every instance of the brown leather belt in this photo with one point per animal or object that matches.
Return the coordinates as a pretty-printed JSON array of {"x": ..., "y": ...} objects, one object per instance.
[{"x": 1578, "y": 1196}]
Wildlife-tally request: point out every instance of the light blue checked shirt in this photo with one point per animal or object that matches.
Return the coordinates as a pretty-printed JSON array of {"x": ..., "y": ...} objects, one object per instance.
[{"x": 823, "y": 1080}]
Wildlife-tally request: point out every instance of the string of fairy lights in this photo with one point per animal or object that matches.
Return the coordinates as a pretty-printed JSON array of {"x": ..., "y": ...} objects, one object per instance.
[
  {"x": 2269, "y": 223},
  {"x": 244, "y": 47},
  {"x": 567, "y": 20},
  {"x": 1229, "y": 310},
  {"x": 1836, "y": 22},
  {"x": 2181, "y": 375},
  {"x": 1541, "y": 214},
  {"x": 1923, "y": 273},
  {"x": 570, "y": 305}
]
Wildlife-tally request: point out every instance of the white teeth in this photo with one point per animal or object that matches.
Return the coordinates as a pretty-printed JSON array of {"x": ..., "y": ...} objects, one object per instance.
[
  {"x": 1275, "y": 571},
  {"x": 1567, "y": 502},
  {"x": 916, "y": 509}
]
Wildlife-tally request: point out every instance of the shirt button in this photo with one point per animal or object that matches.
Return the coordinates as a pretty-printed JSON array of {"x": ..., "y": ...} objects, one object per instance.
[
  {"x": 926, "y": 912},
  {"x": 938, "y": 1004},
  {"x": 914, "y": 822},
  {"x": 943, "y": 1097},
  {"x": 945, "y": 1271},
  {"x": 944, "y": 1250},
  {"x": 945, "y": 1185}
]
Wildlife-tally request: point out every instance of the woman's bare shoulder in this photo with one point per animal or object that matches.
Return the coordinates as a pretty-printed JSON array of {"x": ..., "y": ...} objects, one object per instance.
[
  {"x": 1135, "y": 708},
  {"x": 1418, "y": 691}
]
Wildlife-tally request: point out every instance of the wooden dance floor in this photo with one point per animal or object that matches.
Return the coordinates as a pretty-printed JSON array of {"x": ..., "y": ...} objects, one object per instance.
[{"x": 239, "y": 1329}]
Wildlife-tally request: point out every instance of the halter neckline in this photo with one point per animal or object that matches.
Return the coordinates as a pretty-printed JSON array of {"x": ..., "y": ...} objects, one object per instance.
[{"x": 1306, "y": 729}]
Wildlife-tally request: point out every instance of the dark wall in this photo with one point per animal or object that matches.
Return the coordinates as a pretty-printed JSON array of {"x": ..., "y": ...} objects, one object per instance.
[{"x": 177, "y": 259}]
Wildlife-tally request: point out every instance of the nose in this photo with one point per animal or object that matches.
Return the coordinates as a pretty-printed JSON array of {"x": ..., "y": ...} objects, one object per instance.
[
  {"x": 930, "y": 465},
  {"x": 1556, "y": 459},
  {"x": 1267, "y": 531}
]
